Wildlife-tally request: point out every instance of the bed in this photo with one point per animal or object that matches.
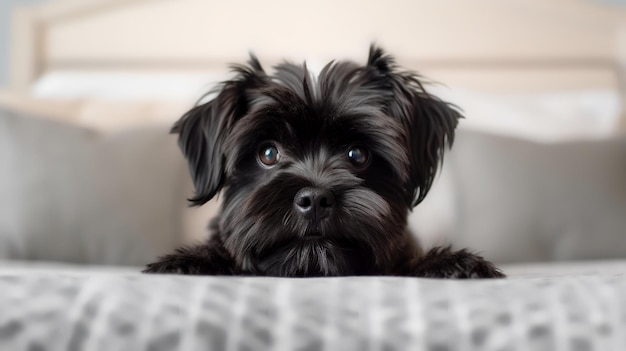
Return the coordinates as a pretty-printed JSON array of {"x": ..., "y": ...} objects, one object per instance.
[{"x": 92, "y": 187}]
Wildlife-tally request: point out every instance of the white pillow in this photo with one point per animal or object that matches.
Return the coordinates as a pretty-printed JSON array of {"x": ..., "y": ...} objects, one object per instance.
[
  {"x": 541, "y": 116},
  {"x": 68, "y": 193},
  {"x": 555, "y": 115},
  {"x": 434, "y": 220},
  {"x": 520, "y": 201},
  {"x": 126, "y": 85}
]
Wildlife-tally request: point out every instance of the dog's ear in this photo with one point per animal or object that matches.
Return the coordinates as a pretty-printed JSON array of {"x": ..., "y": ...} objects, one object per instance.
[
  {"x": 203, "y": 129},
  {"x": 429, "y": 122}
]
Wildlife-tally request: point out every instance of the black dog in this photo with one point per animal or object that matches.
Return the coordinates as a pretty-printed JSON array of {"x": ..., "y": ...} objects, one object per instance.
[{"x": 318, "y": 175}]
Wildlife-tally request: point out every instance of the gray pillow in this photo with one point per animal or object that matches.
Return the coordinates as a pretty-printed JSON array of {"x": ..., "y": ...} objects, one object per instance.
[
  {"x": 519, "y": 200},
  {"x": 68, "y": 193}
]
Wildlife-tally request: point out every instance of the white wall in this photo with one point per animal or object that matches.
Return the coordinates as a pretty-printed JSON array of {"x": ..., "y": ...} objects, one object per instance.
[
  {"x": 613, "y": 2},
  {"x": 6, "y": 8}
]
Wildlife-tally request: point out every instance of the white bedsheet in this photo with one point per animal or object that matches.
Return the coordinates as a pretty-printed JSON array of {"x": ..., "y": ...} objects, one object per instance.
[{"x": 70, "y": 308}]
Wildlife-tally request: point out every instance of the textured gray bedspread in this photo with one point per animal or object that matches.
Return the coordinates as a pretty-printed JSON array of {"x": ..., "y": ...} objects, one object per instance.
[{"x": 56, "y": 310}]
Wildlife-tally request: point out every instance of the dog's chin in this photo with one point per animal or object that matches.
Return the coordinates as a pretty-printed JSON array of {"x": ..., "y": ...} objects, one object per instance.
[
  {"x": 358, "y": 237},
  {"x": 312, "y": 255}
]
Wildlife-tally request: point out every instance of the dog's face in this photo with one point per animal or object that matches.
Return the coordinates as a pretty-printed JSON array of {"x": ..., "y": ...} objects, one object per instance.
[{"x": 317, "y": 174}]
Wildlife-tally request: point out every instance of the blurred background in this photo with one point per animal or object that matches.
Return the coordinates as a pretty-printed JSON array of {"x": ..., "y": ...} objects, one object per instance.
[{"x": 89, "y": 174}]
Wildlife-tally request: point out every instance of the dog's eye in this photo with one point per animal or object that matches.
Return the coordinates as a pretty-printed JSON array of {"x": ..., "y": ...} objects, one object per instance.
[
  {"x": 358, "y": 156},
  {"x": 268, "y": 155}
]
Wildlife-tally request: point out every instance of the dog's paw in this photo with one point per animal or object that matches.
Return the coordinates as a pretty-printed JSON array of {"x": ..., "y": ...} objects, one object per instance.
[
  {"x": 197, "y": 260},
  {"x": 442, "y": 262},
  {"x": 170, "y": 264}
]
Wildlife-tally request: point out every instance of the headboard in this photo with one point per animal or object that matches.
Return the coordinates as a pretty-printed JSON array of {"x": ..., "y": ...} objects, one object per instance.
[{"x": 485, "y": 44}]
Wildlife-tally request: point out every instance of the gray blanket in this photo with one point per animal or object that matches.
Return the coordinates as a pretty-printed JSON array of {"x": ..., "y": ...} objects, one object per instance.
[{"x": 53, "y": 310}]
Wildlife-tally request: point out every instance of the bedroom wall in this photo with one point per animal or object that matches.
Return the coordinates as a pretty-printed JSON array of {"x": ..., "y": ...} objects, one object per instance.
[
  {"x": 613, "y": 2},
  {"x": 6, "y": 8}
]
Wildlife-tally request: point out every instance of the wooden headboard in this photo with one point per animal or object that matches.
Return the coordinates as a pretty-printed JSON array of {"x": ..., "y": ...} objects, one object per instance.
[{"x": 506, "y": 44}]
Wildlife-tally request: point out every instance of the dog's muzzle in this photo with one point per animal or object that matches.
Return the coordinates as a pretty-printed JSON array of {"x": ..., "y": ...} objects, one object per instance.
[{"x": 314, "y": 204}]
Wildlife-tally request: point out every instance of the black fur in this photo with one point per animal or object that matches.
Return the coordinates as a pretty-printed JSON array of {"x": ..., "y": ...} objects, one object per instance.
[{"x": 314, "y": 123}]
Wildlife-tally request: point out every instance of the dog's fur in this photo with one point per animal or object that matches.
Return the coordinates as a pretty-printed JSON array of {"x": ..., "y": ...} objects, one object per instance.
[{"x": 361, "y": 226}]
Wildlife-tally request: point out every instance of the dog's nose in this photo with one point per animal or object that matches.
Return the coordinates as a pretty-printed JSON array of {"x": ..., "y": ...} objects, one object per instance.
[{"x": 314, "y": 203}]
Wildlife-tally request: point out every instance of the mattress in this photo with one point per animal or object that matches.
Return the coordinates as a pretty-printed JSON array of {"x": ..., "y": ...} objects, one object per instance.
[{"x": 541, "y": 307}]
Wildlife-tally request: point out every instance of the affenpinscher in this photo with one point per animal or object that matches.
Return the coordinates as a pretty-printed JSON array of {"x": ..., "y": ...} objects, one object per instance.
[{"x": 317, "y": 174}]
